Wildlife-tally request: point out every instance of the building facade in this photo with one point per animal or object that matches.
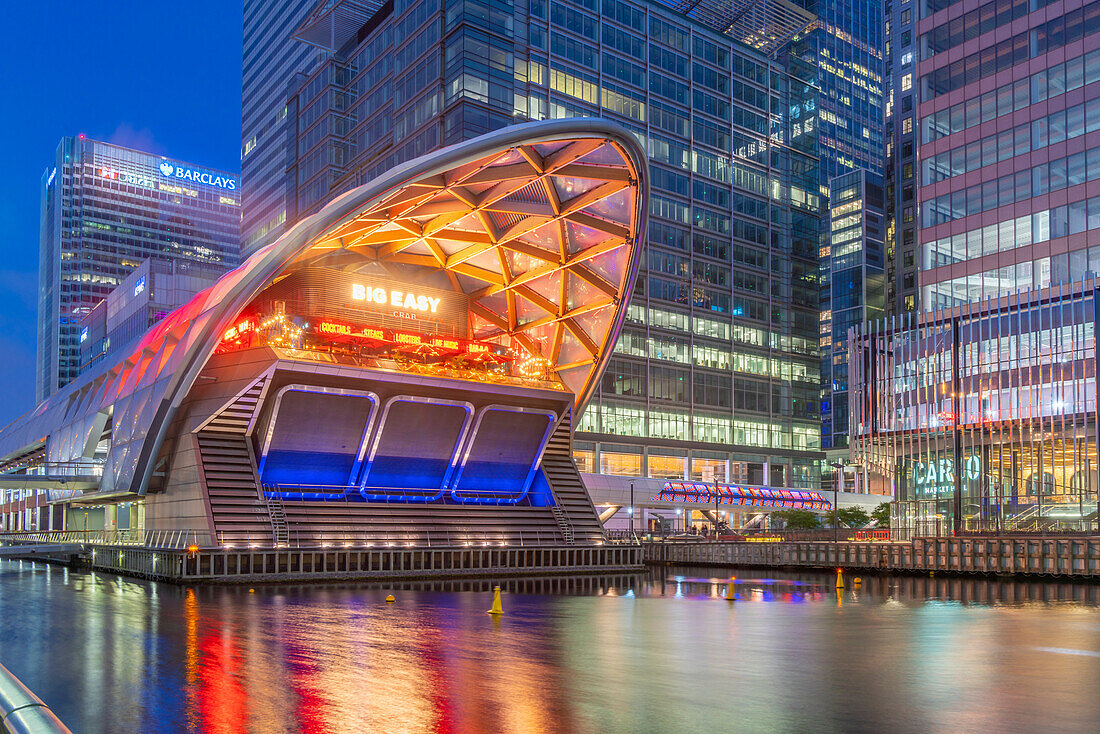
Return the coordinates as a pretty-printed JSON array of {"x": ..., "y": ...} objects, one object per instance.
[
  {"x": 1009, "y": 124},
  {"x": 902, "y": 254},
  {"x": 716, "y": 374},
  {"x": 983, "y": 417},
  {"x": 105, "y": 209},
  {"x": 842, "y": 49},
  {"x": 358, "y": 384},
  {"x": 270, "y": 66},
  {"x": 144, "y": 297},
  {"x": 856, "y": 228}
]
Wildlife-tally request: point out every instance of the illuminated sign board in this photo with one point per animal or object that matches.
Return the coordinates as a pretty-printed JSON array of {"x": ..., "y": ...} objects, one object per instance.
[
  {"x": 171, "y": 170},
  {"x": 139, "y": 287},
  {"x": 128, "y": 178},
  {"x": 407, "y": 338},
  {"x": 934, "y": 477},
  {"x": 84, "y": 335},
  {"x": 405, "y": 300}
]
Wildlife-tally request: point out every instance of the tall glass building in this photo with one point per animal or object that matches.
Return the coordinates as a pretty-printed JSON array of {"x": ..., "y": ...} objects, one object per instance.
[
  {"x": 716, "y": 375},
  {"x": 270, "y": 64},
  {"x": 105, "y": 209},
  {"x": 842, "y": 49},
  {"x": 856, "y": 228},
  {"x": 980, "y": 406}
]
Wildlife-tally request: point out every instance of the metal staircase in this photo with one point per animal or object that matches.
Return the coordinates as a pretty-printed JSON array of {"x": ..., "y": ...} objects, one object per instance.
[
  {"x": 563, "y": 524},
  {"x": 239, "y": 509},
  {"x": 573, "y": 509},
  {"x": 280, "y": 531}
]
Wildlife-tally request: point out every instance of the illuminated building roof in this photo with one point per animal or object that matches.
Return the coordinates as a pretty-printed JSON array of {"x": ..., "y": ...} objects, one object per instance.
[
  {"x": 766, "y": 25},
  {"x": 535, "y": 224}
]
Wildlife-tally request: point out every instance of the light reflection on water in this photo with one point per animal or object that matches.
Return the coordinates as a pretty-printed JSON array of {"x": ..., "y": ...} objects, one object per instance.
[{"x": 661, "y": 652}]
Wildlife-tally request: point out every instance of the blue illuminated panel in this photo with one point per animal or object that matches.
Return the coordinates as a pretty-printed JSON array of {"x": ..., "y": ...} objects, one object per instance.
[
  {"x": 501, "y": 457},
  {"x": 416, "y": 449},
  {"x": 315, "y": 441}
]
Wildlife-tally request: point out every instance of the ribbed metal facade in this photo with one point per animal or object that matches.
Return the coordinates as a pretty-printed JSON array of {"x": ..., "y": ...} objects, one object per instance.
[{"x": 983, "y": 418}]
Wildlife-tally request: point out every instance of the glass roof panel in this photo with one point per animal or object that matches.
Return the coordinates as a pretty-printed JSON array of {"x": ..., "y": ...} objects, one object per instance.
[
  {"x": 616, "y": 208},
  {"x": 570, "y": 187},
  {"x": 581, "y": 237},
  {"x": 610, "y": 264},
  {"x": 548, "y": 286},
  {"x": 578, "y": 292},
  {"x": 571, "y": 349},
  {"x": 606, "y": 154}
]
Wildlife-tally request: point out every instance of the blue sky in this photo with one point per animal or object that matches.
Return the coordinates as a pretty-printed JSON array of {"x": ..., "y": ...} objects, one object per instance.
[{"x": 160, "y": 76}]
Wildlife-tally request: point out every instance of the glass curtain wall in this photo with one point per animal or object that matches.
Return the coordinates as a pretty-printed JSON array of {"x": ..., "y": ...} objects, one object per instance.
[{"x": 983, "y": 418}]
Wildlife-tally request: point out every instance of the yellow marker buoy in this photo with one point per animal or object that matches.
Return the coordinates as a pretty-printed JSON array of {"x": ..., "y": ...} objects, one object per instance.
[
  {"x": 497, "y": 608},
  {"x": 729, "y": 589},
  {"x": 857, "y": 581},
  {"x": 390, "y": 599},
  {"x": 839, "y": 579},
  {"x": 251, "y": 591}
]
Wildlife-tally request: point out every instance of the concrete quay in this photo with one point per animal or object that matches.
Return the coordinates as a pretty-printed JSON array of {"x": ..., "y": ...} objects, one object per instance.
[
  {"x": 260, "y": 565},
  {"x": 1040, "y": 557}
]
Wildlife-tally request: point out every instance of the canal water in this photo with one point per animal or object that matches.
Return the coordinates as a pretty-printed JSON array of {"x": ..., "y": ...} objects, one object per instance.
[{"x": 658, "y": 652}]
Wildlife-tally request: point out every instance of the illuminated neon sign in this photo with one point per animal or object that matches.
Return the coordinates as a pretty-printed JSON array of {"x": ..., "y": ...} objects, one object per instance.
[
  {"x": 398, "y": 299},
  {"x": 933, "y": 477},
  {"x": 405, "y": 338},
  {"x": 190, "y": 174}
]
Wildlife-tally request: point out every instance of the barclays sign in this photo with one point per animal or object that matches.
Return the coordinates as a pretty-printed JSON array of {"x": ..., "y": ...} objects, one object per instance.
[{"x": 170, "y": 170}]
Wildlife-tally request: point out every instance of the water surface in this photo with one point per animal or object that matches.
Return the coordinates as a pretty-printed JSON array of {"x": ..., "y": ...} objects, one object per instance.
[{"x": 660, "y": 652}]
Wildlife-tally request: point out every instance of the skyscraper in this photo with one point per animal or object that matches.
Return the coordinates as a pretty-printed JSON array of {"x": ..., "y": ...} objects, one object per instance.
[
  {"x": 842, "y": 48},
  {"x": 979, "y": 404},
  {"x": 271, "y": 64},
  {"x": 855, "y": 229},
  {"x": 717, "y": 371},
  {"x": 901, "y": 158},
  {"x": 1008, "y": 121},
  {"x": 104, "y": 210}
]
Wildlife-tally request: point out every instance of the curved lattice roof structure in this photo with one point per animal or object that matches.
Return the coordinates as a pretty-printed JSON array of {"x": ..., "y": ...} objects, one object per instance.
[{"x": 536, "y": 224}]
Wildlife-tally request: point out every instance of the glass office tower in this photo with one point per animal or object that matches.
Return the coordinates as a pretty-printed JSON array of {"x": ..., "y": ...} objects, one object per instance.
[
  {"x": 105, "y": 209},
  {"x": 856, "y": 227},
  {"x": 716, "y": 375},
  {"x": 980, "y": 407},
  {"x": 270, "y": 64},
  {"x": 843, "y": 50}
]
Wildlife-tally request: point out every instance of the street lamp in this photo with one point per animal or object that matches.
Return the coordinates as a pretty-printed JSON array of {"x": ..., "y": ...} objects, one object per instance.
[{"x": 836, "y": 491}]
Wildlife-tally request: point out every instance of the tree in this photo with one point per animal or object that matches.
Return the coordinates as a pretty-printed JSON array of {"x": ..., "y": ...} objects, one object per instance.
[
  {"x": 881, "y": 515},
  {"x": 797, "y": 519},
  {"x": 853, "y": 517}
]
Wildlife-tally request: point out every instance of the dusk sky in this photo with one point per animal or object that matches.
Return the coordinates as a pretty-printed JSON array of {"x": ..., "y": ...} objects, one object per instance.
[{"x": 162, "y": 77}]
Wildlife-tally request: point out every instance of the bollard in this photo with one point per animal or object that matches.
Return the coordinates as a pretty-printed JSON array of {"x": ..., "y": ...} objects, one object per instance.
[
  {"x": 390, "y": 599},
  {"x": 496, "y": 608},
  {"x": 839, "y": 579},
  {"x": 729, "y": 589}
]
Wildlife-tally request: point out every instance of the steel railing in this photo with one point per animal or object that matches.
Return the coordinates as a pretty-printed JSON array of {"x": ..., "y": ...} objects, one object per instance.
[
  {"x": 350, "y": 539},
  {"x": 142, "y": 538},
  {"x": 22, "y": 711}
]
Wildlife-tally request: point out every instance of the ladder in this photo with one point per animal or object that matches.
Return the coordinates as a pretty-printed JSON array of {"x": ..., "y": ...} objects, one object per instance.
[
  {"x": 280, "y": 532},
  {"x": 563, "y": 524}
]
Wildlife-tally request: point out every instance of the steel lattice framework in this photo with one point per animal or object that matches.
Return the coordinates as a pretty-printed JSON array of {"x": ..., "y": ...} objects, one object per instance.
[{"x": 536, "y": 235}]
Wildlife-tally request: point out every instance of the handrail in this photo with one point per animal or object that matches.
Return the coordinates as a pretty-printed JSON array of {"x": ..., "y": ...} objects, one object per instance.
[
  {"x": 22, "y": 712},
  {"x": 349, "y": 539}
]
